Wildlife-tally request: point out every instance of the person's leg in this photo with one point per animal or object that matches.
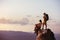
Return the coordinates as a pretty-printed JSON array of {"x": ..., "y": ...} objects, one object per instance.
[
  {"x": 45, "y": 25},
  {"x": 36, "y": 32},
  {"x": 42, "y": 26}
]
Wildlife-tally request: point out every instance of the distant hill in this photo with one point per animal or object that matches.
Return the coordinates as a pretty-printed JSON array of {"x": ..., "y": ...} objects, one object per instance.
[
  {"x": 18, "y": 35},
  {"x": 57, "y": 36}
]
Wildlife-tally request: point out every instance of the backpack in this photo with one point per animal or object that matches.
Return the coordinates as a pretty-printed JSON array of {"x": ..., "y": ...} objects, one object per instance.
[{"x": 47, "y": 17}]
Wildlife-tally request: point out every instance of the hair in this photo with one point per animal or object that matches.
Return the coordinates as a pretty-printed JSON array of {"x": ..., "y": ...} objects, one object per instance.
[
  {"x": 40, "y": 20},
  {"x": 44, "y": 13}
]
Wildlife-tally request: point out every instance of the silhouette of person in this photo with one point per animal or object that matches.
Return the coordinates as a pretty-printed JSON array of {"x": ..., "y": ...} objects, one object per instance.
[
  {"x": 38, "y": 27},
  {"x": 44, "y": 21}
]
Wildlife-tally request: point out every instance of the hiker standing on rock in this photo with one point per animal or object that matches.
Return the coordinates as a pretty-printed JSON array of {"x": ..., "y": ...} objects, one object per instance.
[
  {"x": 38, "y": 27},
  {"x": 45, "y": 19}
]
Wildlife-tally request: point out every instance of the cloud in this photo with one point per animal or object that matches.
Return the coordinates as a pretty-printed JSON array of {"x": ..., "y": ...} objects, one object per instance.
[
  {"x": 24, "y": 21},
  {"x": 29, "y": 15}
]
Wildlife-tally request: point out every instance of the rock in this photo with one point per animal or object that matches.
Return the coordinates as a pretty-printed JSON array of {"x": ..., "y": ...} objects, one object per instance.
[{"x": 46, "y": 35}]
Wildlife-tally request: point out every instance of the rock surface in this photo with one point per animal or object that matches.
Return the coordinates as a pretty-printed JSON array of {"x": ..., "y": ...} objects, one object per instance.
[{"x": 47, "y": 35}]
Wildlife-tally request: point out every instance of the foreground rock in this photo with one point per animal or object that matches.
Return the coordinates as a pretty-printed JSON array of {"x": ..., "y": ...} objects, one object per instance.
[{"x": 46, "y": 35}]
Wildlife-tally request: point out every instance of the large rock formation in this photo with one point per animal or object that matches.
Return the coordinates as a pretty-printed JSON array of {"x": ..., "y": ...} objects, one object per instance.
[{"x": 46, "y": 35}]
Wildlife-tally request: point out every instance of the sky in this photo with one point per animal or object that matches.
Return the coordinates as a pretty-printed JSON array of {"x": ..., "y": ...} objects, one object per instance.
[
  {"x": 16, "y": 9},
  {"x": 29, "y": 11}
]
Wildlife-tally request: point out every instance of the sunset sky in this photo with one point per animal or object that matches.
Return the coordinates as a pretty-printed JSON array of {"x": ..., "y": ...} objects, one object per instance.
[
  {"x": 31, "y": 11},
  {"x": 16, "y": 9}
]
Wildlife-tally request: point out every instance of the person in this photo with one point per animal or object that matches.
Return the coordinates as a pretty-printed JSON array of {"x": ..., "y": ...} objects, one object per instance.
[
  {"x": 45, "y": 19},
  {"x": 38, "y": 27}
]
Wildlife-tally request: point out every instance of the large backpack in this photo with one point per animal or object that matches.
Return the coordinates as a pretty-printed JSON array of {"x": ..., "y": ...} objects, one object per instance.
[{"x": 47, "y": 17}]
